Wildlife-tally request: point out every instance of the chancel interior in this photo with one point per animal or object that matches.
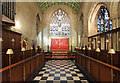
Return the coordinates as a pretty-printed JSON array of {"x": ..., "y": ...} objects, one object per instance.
[{"x": 66, "y": 42}]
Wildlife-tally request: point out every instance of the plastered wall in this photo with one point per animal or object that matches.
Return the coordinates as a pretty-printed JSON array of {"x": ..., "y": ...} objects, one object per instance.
[{"x": 25, "y": 21}]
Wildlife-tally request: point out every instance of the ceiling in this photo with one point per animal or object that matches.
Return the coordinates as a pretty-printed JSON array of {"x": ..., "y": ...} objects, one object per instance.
[{"x": 73, "y": 5}]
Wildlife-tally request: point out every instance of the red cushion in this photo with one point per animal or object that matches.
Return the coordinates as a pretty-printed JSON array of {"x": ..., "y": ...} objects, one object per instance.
[
  {"x": 72, "y": 57},
  {"x": 47, "y": 57}
]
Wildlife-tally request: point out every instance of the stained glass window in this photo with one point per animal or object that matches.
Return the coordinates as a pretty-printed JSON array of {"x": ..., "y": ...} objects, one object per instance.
[
  {"x": 59, "y": 24},
  {"x": 104, "y": 24}
]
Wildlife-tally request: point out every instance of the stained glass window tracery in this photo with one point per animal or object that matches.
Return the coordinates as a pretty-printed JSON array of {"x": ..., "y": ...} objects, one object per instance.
[
  {"x": 104, "y": 24},
  {"x": 59, "y": 24}
]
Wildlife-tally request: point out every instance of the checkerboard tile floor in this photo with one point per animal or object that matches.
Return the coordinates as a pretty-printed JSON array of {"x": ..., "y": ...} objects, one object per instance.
[{"x": 60, "y": 71}]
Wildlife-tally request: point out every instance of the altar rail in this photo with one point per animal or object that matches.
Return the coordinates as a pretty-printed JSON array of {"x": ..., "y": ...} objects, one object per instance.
[
  {"x": 17, "y": 70},
  {"x": 98, "y": 70}
]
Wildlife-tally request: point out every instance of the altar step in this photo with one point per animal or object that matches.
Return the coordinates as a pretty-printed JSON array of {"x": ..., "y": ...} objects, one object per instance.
[{"x": 59, "y": 53}]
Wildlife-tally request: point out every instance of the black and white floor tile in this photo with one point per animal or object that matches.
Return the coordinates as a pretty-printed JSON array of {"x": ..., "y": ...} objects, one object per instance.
[{"x": 60, "y": 71}]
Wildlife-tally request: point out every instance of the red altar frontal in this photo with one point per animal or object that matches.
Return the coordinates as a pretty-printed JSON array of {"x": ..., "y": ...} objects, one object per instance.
[{"x": 59, "y": 43}]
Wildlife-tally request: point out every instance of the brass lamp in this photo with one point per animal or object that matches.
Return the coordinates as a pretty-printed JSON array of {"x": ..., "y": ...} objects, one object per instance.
[
  {"x": 111, "y": 51},
  {"x": 36, "y": 49},
  {"x": 107, "y": 41},
  {"x": 84, "y": 48},
  {"x": 98, "y": 50},
  {"x": 80, "y": 48},
  {"x": 98, "y": 42},
  {"x": 76, "y": 47},
  {"x": 9, "y": 52},
  {"x": 13, "y": 40},
  {"x": 89, "y": 48},
  {"x": 92, "y": 42},
  {"x": 31, "y": 48},
  {"x": 1, "y": 39},
  {"x": 23, "y": 50}
]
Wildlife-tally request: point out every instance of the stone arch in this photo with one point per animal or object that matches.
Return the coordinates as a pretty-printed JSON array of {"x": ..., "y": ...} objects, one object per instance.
[{"x": 92, "y": 30}]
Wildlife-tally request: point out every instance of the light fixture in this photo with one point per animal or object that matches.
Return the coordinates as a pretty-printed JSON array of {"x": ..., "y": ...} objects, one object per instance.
[
  {"x": 89, "y": 48},
  {"x": 98, "y": 50},
  {"x": 107, "y": 41},
  {"x": 36, "y": 48},
  {"x": 13, "y": 40},
  {"x": 98, "y": 42},
  {"x": 9, "y": 51},
  {"x": 92, "y": 42},
  {"x": 31, "y": 48},
  {"x": 80, "y": 48},
  {"x": 76, "y": 47},
  {"x": 1, "y": 39},
  {"x": 23, "y": 49},
  {"x": 111, "y": 51},
  {"x": 83, "y": 48}
]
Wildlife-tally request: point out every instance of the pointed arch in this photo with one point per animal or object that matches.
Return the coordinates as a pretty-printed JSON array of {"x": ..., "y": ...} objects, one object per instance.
[{"x": 59, "y": 23}]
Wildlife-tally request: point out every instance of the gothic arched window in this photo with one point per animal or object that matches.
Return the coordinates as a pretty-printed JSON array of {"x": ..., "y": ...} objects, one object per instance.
[
  {"x": 104, "y": 24},
  {"x": 59, "y": 23}
]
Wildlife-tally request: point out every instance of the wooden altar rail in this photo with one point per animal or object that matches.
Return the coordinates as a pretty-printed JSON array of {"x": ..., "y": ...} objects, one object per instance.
[
  {"x": 104, "y": 33},
  {"x": 103, "y": 56},
  {"x": 16, "y": 57},
  {"x": 98, "y": 70},
  {"x": 17, "y": 70}
]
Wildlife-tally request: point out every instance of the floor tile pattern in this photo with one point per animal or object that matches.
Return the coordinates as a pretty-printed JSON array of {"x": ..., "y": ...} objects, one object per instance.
[{"x": 60, "y": 71}]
